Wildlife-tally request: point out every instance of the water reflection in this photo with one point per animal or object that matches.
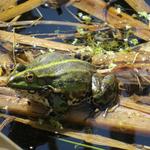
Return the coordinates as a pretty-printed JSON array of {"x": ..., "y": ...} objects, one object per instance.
[{"x": 27, "y": 137}]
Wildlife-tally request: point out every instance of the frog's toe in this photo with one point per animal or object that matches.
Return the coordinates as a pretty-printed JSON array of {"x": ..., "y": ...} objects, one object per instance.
[
  {"x": 105, "y": 112},
  {"x": 112, "y": 109}
]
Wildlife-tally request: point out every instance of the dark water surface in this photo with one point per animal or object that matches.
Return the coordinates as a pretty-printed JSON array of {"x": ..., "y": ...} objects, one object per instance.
[{"x": 29, "y": 138}]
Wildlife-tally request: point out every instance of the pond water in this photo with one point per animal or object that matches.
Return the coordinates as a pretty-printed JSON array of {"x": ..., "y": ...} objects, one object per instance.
[{"x": 29, "y": 138}]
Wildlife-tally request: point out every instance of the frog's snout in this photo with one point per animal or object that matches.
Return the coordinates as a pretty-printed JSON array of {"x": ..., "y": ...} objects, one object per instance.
[{"x": 13, "y": 81}]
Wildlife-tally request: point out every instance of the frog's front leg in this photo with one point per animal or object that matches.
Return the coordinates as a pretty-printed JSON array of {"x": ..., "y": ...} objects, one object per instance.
[
  {"x": 105, "y": 91},
  {"x": 47, "y": 90},
  {"x": 59, "y": 106},
  {"x": 52, "y": 89},
  {"x": 59, "y": 103}
]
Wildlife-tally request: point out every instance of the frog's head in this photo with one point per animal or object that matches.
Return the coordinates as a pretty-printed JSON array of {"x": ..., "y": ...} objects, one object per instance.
[{"x": 23, "y": 78}]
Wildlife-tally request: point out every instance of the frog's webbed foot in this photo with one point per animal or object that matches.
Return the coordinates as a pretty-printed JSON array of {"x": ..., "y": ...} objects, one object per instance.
[
  {"x": 110, "y": 109},
  {"x": 98, "y": 112},
  {"x": 104, "y": 112}
]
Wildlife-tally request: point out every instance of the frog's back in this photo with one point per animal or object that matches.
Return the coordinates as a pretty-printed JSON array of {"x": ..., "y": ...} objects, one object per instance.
[
  {"x": 62, "y": 67},
  {"x": 57, "y": 63},
  {"x": 49, "y": 58}
]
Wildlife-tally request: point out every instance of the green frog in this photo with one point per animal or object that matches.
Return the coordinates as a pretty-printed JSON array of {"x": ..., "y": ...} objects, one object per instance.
[{"x": 67, "y": 79}]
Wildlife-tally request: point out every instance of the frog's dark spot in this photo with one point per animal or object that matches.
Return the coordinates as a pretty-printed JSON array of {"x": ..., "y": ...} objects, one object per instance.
[
  {"x": 78, "y": 55},
  {"x": 85, "y": 57}
]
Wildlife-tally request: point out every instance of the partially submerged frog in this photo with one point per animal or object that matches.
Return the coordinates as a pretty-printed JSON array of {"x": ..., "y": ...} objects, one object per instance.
[{"x": 63, "y": 75}]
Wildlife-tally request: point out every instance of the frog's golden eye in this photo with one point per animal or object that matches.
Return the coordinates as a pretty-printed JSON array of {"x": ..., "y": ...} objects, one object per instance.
[{"x": 29, "y": 76}]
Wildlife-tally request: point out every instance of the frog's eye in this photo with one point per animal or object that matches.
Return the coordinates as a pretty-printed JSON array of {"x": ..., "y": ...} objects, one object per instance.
[{"x": 29, "y": 76}]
